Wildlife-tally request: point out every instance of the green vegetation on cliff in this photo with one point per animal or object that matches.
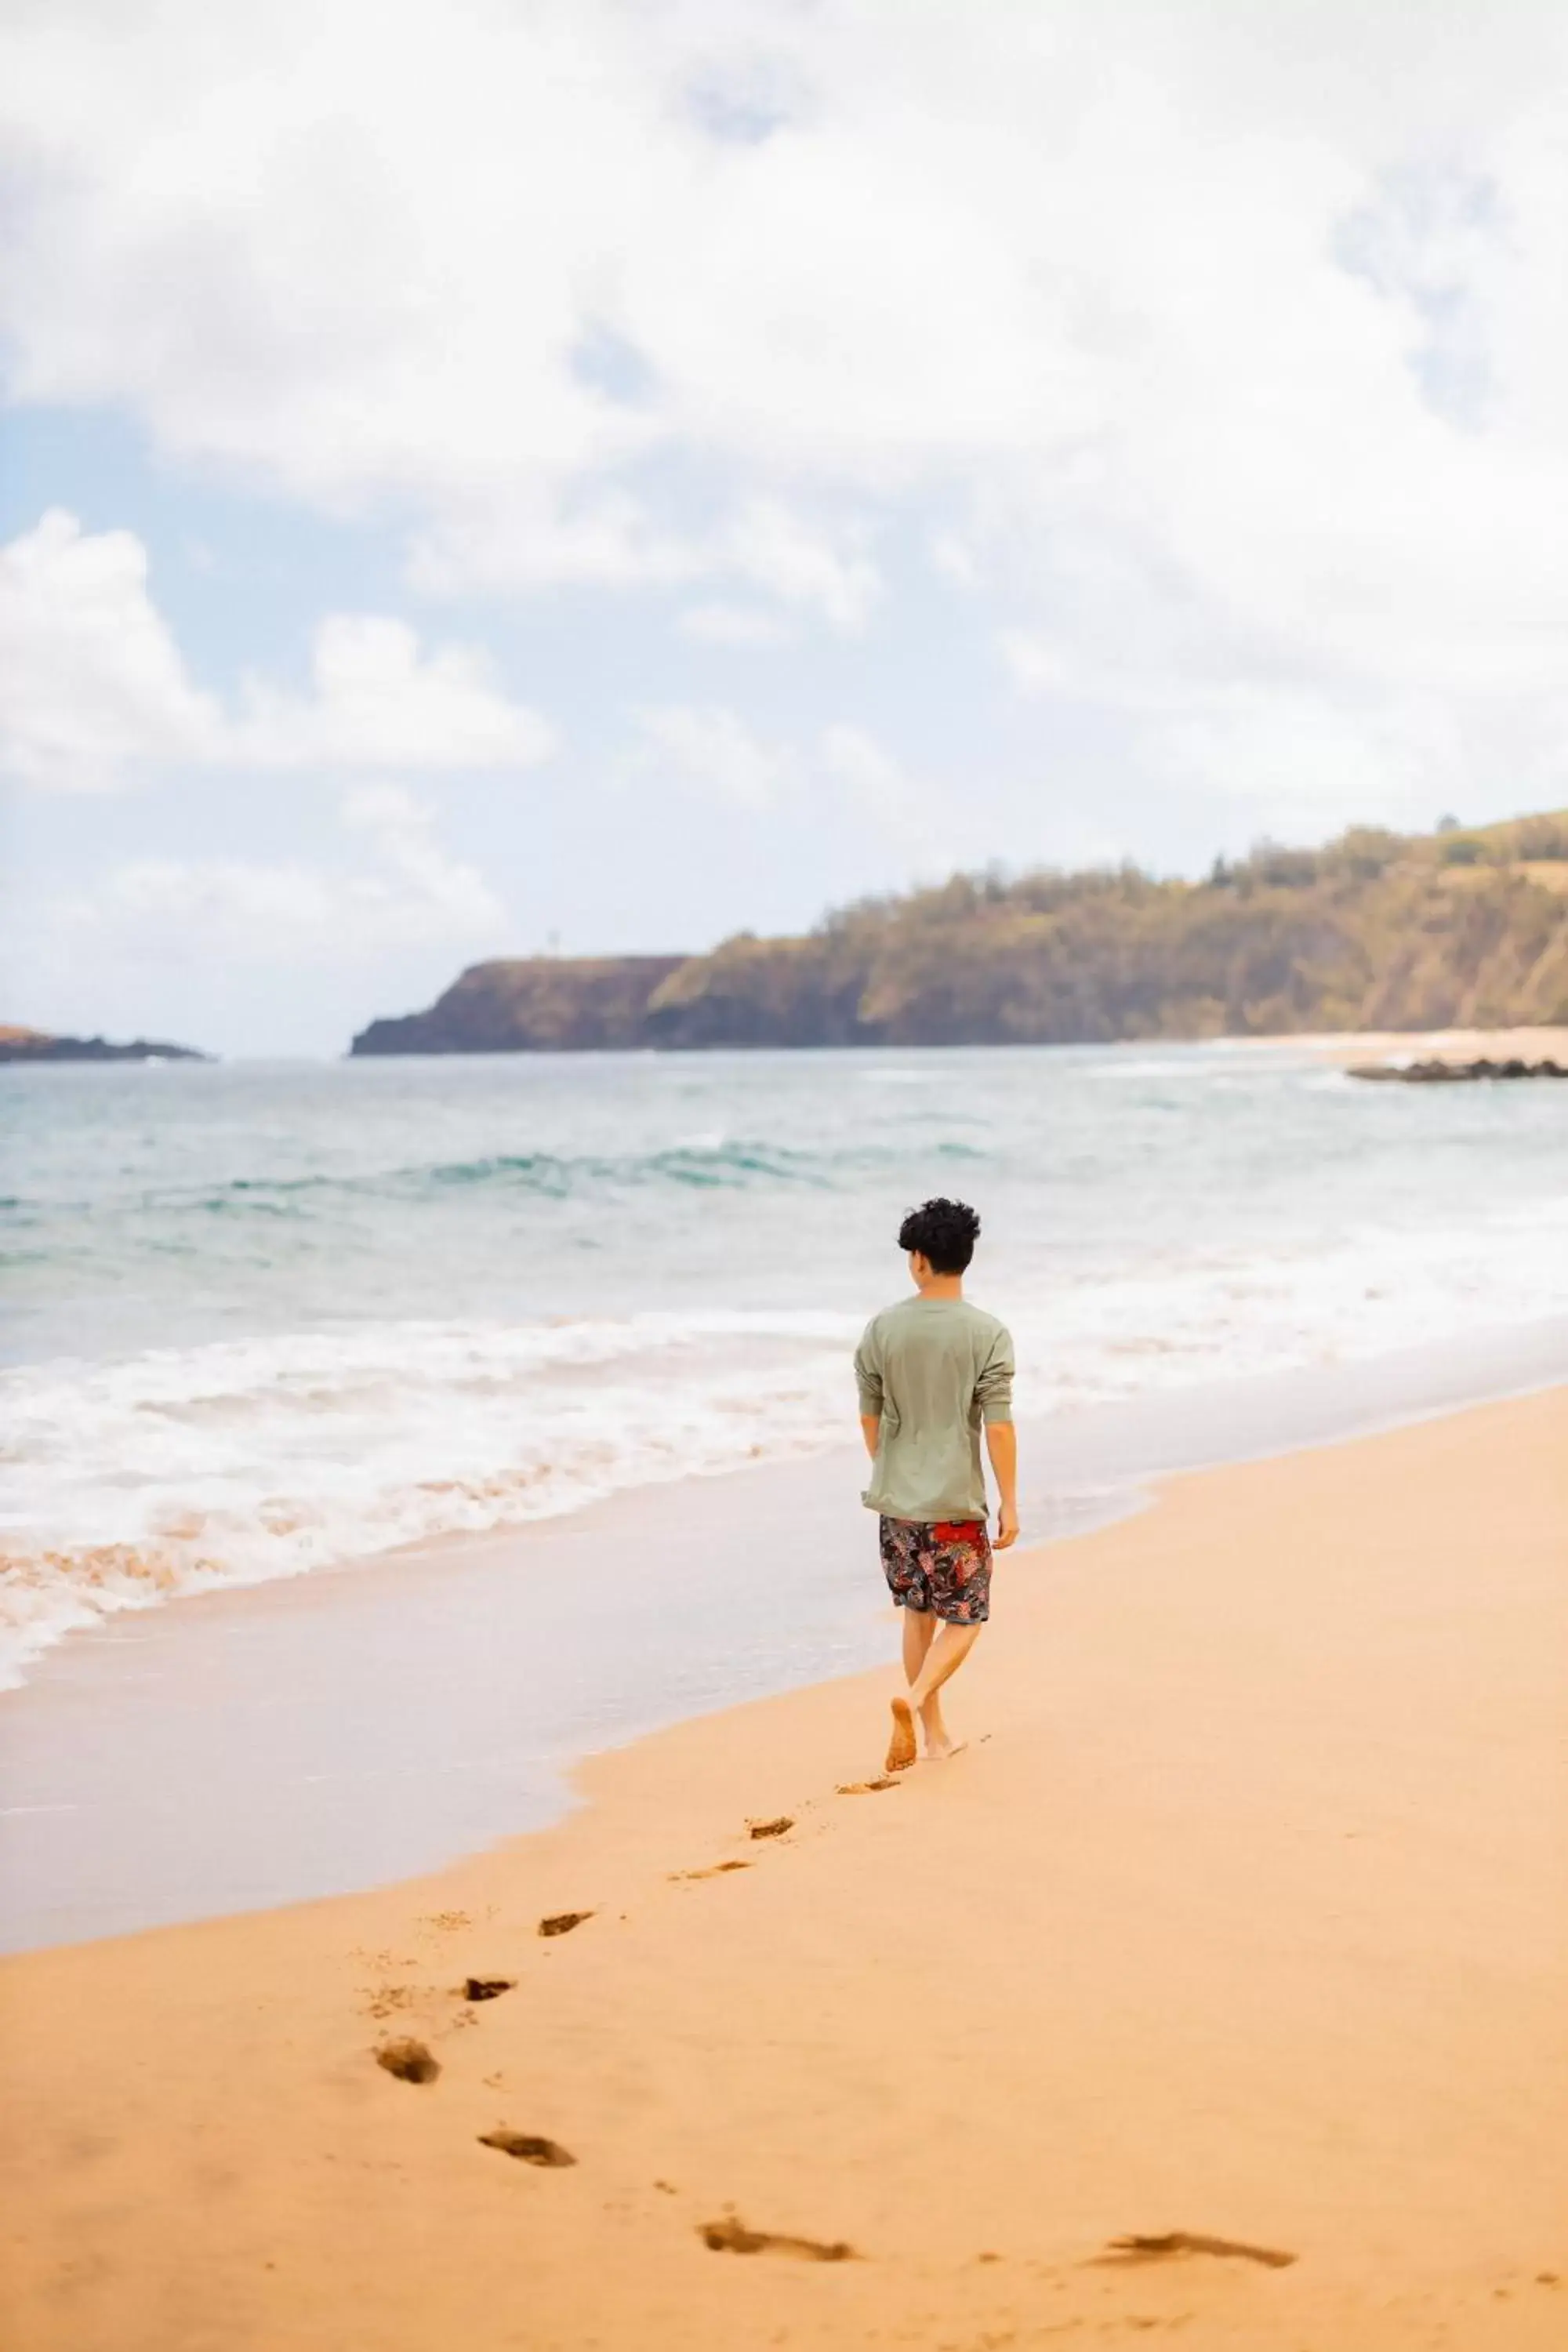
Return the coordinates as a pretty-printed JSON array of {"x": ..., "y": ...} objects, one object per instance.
[{"x": 1377, "y": 930}]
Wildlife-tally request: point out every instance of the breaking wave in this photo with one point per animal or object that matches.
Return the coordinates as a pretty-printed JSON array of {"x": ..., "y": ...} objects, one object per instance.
[{"x": 275, "y": 1320}]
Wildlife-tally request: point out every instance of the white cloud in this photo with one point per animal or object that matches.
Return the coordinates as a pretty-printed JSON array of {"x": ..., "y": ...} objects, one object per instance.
[
  {"x": 1300, "y": 764},
  {"x": 1231, "y": 345},
  {"x": 732, "y": 625},
  {"x": 379, "y": 702},
  {"x": 707, "y": 750},
  {"x": 954, "y": 558},
  {"x": 612, "y": 541},
  {"x": 424, "y": 894},
  {"x": 89, "y": 677},
  {"x": 771, "y": 548},
  {"x": 1036, "y": 665},
  {"x": 215, "y": 913},
  {"x": 92, "y": 684},
  {"x": 853, "y": 757},
  {"x": 524, "y": 537},
  {"x": 932, "y": 828}
]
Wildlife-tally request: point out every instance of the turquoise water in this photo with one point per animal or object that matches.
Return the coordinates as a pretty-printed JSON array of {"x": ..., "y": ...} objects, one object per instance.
[{"x": 261, "y": 1318}]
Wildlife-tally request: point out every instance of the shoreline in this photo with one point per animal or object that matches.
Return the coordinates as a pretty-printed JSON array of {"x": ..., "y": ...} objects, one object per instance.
[
  {"x": 1242, "y": 1919},
  {"x": 282, "y": 1741},
  {"x": 346, "y": 1344},
  {"x": 234, "y": 1750},
  {"x": 1551, "y": 1037},
  {"x": 1416, "y": 1044}
]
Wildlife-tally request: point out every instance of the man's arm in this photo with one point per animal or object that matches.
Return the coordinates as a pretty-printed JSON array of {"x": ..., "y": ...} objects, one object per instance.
[
  {"x": 1001, "y": 1444},
  {"x": 995, "y": 1389},
  {"x": 868, "y": 1381}
]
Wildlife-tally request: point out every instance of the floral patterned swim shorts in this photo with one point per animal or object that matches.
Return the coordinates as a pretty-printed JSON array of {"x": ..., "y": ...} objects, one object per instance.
[{"x": 941, "y": 1566}]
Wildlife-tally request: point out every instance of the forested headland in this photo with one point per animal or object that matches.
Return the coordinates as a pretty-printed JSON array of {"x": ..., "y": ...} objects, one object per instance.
[{"x": 1373, "y": 931}]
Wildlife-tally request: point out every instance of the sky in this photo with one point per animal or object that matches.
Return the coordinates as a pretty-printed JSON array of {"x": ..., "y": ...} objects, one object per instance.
[{"x": 594, "y": 476}]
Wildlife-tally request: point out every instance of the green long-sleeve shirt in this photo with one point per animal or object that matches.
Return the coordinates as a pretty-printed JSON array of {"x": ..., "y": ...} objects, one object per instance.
[{"x": 930, "y": 1370}]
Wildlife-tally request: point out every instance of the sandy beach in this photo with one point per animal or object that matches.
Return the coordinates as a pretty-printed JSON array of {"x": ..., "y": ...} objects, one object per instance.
[
  {"x": 1539, "y": 1044},
  {"x": 1243, "y": 1916}
]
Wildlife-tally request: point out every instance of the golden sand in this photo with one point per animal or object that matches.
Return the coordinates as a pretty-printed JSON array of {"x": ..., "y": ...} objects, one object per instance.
[
  {"x": 1217, "y": 1990},
  {"x": 1441, "y": 1044}
]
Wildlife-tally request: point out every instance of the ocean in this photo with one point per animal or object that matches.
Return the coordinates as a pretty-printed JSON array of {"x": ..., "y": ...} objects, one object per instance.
[{"x": 268, "y": 1319}]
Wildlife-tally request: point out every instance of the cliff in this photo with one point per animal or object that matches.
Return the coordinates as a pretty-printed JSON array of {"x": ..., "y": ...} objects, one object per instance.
[
  {"x": 35, "y": 1045},
  {"x": 542, "y": 1005},
  {"x": 1377, "y": 930}
]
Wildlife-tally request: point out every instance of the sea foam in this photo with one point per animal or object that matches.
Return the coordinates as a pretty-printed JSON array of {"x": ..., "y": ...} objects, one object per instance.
[
  {"x": 126, "y": 1483},
  {"x": 265, "y": 1321}
]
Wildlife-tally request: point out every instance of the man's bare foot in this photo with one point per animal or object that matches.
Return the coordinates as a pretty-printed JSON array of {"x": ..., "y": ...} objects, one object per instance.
[
  {"x": 934, "y": 1739},
  {"x": 902, "y": 1746}
]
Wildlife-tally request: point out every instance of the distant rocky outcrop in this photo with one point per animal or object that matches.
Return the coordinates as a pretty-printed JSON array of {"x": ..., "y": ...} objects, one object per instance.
[
  {"x": 1376, "y": 930},
  {"x": 37, "y": 1046},
  {"x": 539, "y": 1005},
  {"x": 1445, "y": 1074}
]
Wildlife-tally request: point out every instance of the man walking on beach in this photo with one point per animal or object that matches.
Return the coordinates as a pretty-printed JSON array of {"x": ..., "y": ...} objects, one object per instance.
[{"x": 932, "y": 1372}]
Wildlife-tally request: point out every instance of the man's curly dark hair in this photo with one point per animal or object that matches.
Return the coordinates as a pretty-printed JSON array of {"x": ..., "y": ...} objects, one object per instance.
[{"x": 945, "y": 1233}]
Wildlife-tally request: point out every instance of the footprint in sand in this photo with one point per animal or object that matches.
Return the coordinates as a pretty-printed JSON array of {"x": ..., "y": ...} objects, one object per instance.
[
  {"x": 1187, "y": 2242},
  {"x": 771, "y": 1829},
  {"x": 561, "y": 1922},
  {"x": 382, "y": 2000},
  {"x": 486, "y": 1988},
  {"x": 409, "y": 2060},
  {"x": 714, "y": 1870},
  {"x": 731, "y": 2236},
  {"x": 866, "y": 1788},
  {"x": 528, "y": 2147}
]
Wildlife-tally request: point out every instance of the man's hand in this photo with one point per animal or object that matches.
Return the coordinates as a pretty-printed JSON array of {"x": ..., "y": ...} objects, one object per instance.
[{"x": 1006, "y": 1527}]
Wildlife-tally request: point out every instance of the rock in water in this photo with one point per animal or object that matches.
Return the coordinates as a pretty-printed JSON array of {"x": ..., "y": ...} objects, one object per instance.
[
  {"x": 37, "y": 1046},
  {"x": 1441, "y": 1074}
]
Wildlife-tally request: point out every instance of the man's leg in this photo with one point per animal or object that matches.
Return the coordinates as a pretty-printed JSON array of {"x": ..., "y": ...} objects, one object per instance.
[
  {"x": 920, "y": 1626},
  {"x": 945, "y": 1656},
  {"x": 956, "y": 1563},
  {"x": 931, "y": 1658}
]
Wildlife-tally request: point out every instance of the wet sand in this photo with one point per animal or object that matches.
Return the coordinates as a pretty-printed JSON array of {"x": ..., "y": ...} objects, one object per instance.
[
  {"x": 240, "y": 1749},
  {"x": 1243, "y": 1917}
]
